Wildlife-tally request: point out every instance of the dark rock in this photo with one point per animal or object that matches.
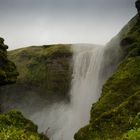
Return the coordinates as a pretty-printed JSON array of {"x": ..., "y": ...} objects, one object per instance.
[
  {"x": 1, "y": 40},
  {"x": 126, "y": 41},
  {"x": 8, "y": 72},
  {"x": 138, "y": 6}
]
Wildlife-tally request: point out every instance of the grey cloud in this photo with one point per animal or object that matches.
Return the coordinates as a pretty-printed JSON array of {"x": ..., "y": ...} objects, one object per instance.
[{"x": 58, "y": 21}]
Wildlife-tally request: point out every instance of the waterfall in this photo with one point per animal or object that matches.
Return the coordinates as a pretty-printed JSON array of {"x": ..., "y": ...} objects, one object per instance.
[{"x": 86, "y": 87}]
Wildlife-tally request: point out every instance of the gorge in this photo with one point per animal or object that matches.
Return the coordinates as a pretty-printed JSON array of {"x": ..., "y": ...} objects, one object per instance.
[{"x": 59, "y": 117}]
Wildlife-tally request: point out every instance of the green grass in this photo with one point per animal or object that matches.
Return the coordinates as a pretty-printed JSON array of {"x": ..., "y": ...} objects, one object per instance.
[{"x": 13, "y": 126}]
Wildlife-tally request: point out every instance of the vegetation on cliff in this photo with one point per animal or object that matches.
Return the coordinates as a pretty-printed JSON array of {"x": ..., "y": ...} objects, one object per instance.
[
  {"x": 116, "y": 114},
  {"x": 45, "y": 69},
  {"x": 8, "y": 72}
]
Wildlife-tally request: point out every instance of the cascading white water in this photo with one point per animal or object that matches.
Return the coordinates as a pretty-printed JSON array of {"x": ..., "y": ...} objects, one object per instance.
[
  {"x": 85, "y": 88},
  {"x": 63, "y": 120}
]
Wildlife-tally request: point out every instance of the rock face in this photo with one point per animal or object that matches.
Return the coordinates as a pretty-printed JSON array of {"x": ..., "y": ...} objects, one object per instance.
[
  {"x": 44, "y": 73},
  {"x": 43, "y": 68},
  {"x": 8, "y": 72},
  {"x": 138, "y": 6},
  {"x": 13, "y": 125},
  {"x": 116, "y": 114},
  {"x": 45, "y": 77}
]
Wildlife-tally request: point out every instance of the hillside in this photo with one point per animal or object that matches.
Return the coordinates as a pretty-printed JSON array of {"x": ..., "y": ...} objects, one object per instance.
[
  {"x": 45, "y": 76},
  {"x": 116, "y": 114},
  {"x": 45, "y": 67}
]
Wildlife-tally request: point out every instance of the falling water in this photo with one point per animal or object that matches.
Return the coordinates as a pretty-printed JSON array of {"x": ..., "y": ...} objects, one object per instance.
[{"x": 86, "y": 86}]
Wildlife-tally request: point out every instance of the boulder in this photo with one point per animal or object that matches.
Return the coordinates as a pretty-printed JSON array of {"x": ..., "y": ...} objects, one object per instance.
[{"x": 8, "y": 71}]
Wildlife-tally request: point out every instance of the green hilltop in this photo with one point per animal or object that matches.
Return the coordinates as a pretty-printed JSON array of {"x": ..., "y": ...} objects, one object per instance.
[{"x": 45, "y": 70}]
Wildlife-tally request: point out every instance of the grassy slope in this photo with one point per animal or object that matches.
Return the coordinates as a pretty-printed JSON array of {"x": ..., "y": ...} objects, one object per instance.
[
  {"x": 46, "y": 68},
  {"x": 113, "y": 115}
]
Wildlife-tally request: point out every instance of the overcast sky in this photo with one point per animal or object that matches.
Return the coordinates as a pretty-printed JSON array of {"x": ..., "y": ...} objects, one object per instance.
[{"x": 35, "y": 22}]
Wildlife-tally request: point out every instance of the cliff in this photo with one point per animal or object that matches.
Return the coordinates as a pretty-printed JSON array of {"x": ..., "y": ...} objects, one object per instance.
[
  {"x": 115, "y": 115},
  {"x": 8, "y": 72},
  {"x": 45, "y": 77},
  {"x": 45, "y": 67},
  {"x": 13, "y": 125}
]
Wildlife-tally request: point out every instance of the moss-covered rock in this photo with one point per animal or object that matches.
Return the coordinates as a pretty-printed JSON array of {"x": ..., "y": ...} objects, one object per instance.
[
  {"x": 13, "y": 126},
  {"x": 8, "y": 72},
  {"x": 113, "y": 117},
  {"x": 133, "y": 134}
]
